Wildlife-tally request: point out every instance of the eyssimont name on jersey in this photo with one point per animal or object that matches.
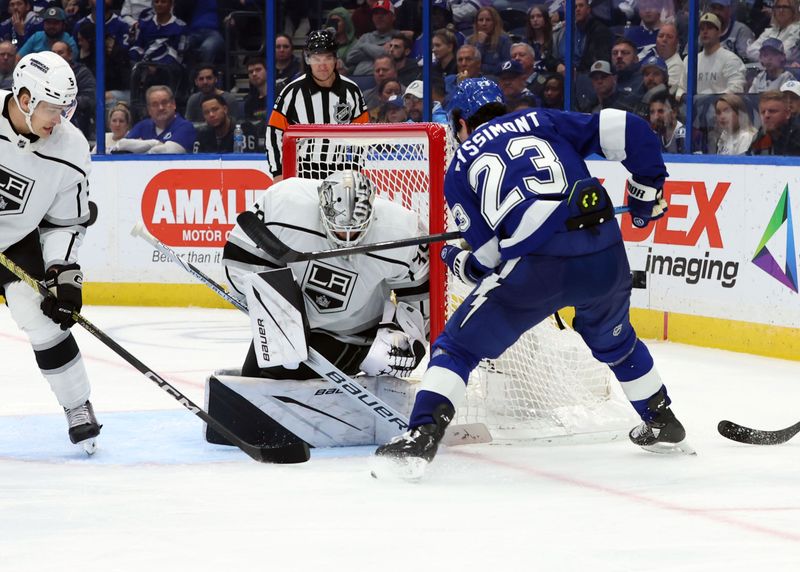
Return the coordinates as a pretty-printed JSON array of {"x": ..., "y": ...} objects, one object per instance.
[{"x": 521, "y": 124}]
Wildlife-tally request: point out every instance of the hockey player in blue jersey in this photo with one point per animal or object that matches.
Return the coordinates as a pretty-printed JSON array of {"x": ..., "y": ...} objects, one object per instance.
[{"x": 543, "y": 236}]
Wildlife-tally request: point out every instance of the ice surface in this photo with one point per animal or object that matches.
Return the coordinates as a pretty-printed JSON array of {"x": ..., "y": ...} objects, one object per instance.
[{"x": 157, "y": 497}]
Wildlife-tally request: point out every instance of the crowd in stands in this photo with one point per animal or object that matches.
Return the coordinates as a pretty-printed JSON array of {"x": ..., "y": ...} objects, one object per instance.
[{"x": 185, "y": 73}]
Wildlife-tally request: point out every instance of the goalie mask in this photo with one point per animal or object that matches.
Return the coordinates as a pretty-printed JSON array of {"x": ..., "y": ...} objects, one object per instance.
[
  {"x": 48, "y": 78},
  {"x": 345, "y": 201}
]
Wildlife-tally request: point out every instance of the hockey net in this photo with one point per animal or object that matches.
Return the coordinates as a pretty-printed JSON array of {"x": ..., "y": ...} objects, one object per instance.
[{"x": 547, "y": 385}]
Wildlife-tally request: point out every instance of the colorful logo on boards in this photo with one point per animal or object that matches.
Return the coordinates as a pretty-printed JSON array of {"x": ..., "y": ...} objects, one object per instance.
[{"x": 765, "y": 259}]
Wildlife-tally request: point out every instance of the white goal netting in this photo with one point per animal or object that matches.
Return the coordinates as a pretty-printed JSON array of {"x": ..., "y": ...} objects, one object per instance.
[{"x": 547, "y": 385}]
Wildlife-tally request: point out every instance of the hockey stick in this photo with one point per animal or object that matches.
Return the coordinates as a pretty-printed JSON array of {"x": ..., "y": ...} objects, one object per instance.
[
  {"x": 456, "y": 434},
  {"x": 266, "y": 240},
  {"x": 742, "y": 434},
  {"x": 284, "y": 454}
]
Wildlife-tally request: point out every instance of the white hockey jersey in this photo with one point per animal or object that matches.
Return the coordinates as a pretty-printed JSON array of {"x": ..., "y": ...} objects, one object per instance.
[
  {"x": 344, "y": 296},
  {"x": 44, "y": 185}
]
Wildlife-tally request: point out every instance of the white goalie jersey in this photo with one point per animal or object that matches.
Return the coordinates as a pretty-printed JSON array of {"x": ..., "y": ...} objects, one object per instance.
[
  {"x": 344, "y": 296},
  {"x": 43, "y": 184}
]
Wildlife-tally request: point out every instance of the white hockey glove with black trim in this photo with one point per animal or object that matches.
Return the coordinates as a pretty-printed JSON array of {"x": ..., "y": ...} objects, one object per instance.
[
  {"x": 399, "y": 345},
  {"x": 646, "y": 203}
]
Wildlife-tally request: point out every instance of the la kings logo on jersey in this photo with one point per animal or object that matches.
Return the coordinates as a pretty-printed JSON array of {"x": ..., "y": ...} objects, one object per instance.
[
  {"x": 14, "y": 191},
  {"x": 329, "y": 288}
]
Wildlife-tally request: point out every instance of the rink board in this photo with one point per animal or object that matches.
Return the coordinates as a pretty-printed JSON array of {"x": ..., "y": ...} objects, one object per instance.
[{"x": 721, "y": 266}]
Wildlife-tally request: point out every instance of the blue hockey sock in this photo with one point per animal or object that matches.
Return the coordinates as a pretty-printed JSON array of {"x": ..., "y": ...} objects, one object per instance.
[
  {"x": 639, "y": 379},
  {"x": 425, "y": 404}
]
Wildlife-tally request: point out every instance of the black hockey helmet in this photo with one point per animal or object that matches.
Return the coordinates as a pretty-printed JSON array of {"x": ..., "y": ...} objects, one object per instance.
[{"x": 321, "y": 42}]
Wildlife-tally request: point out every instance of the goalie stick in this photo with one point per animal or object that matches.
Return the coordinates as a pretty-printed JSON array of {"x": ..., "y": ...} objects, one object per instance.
[
  {"x": 456, "y": 434},
  {"x": 282, "y": 454},
  {"x": 742, "y": 434},
  {"x": 266, "y": 240}
]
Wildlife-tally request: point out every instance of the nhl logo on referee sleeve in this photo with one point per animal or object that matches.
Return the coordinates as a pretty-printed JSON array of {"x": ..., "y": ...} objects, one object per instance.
[
  {"x": 14, "y": 191},
  {"x": 342, "y": 113},
  {"x": 327, "y": 287}
]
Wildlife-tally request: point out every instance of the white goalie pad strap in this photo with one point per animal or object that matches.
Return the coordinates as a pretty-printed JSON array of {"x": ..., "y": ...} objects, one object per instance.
[
  {"x": 642, "y": 192},
  {"x": 277, "y": 322},
  {"x": 411, "y": 321},
  {"x": 642, "y": 387},
  {"x": 445, "y": 382}
]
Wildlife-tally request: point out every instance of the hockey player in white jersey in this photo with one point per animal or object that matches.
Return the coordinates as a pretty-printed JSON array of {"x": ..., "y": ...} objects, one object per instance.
[
  {"x": 44, "y": 169},
  {"x": 543, "y": 236},
  {"x": 352, "y": 320}
]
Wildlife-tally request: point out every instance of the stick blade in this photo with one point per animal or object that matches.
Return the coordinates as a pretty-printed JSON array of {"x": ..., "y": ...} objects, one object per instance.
[
  {"x": 264, "y": 239},
  {"x": 285, "y": 454},
  {"x": 742, "y": 434}
]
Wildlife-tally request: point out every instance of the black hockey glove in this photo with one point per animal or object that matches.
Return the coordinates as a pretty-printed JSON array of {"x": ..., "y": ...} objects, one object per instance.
[
  {"x": 65, "y": 284},
  {"x": 646, "y": 203}
]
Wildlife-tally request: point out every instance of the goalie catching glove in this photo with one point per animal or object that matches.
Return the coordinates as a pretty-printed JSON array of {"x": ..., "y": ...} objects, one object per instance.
[
  {"x": 463, "y": 264},
  {"x": 399, "y": 345},
  {"x": 646, "y": 203},
  {"x": 65, "y": 283}
]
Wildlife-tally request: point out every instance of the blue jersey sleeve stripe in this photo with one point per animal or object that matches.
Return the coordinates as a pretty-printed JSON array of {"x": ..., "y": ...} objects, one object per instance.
[{"x": 612, "y": 134}]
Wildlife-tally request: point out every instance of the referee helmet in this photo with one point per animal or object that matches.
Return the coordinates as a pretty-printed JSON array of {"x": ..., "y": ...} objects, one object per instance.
[{"x": 321, "y": 42}]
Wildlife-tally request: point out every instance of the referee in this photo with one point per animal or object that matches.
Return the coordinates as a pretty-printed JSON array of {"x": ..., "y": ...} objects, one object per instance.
[{"x": 322, "y": 96}]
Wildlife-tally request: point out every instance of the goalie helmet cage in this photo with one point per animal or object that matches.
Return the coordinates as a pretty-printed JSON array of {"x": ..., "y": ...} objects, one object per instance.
[{"x": 547, "y": 385}]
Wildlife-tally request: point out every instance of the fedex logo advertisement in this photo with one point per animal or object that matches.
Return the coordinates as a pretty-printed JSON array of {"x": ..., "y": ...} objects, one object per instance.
[{"x": 198, "y": 207}]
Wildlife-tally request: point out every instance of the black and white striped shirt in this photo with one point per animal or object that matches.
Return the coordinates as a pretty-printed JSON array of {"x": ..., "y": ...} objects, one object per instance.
[{"x": 303, "y": 101}]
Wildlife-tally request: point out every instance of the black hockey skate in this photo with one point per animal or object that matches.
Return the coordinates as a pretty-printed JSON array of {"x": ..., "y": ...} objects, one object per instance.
[
  {"x": 407, "y": 455},
  {"x": 664, "y": 434},
  {"x": 83, "y": 426}
]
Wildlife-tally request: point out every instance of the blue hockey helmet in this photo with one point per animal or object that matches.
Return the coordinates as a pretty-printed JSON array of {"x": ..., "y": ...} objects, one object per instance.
[{"x": 472, "y": 94}]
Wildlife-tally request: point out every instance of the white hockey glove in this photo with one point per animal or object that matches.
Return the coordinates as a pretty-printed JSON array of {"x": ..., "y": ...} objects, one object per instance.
[
  {"x": 646, "y": 203},
  {"x": 463, "y": 264},
  {"x": 399, "y": 345}
]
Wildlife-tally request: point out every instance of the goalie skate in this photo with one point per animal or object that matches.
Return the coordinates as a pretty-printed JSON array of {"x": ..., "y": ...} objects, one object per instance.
[{"x": 83, "y": 426}]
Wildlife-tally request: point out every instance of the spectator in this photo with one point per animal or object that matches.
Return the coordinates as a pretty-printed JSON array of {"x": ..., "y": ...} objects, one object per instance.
[
  {"x": 413, "y": 100},
  {"x": 734, "y": 130},
  {"x": 655, "y": 80},
  {"x": 791, "y": 94},
  {"x": 205, "y": 81},
  {"x": 553, "y": 92},
  {"x": 644, "y": 35},
  {"x": 165, "y": 131},
  {"x": 371, "y": 45},
  {"x": 386, "y": 89},
  {"x": 399, "y": 47},
  {"x": 83, "y": 117},
  {"x": 718, "y": 70},
  {"x": 512, "y": 81},
  {"x": 774, "y": 74},
  {"x": 444, "y": 45},
  {"x": 539, "y": 35},
  {"x": 736, "y": 36},
  {"x": 8, "y": 58},
  {"x": 491, "y": 40},
  {"x": 255, "y": 104},
  {"x": 339, "y": 19},
  {"x": 84, "y": 37},
  {"x": 777, "y": 135},
  {"x": 534, "y": 75},
  {"x": 667, "y": 50},
  {"x": 393, "y": 111},
  {"x": 664, "y": 121},
  {"x": 119, "y": 123},
  {"x": 216, "y": 136},
  {"x": 114, "y": 25},
  {"x": 384, "y": 68},
  {"x": 160, "y": 37},
  {"x": 468, "y": 64},
  {"x": 465, "y": 11},
  {"x": 73, "y": 9},
  {"x": 52, "y": 32},
  {"x": 626, "y": 66},
  {"x": 783, "y": 26},
  {"x": 320, "y": 95},
  {"x": 287, "y": 65},
  {"x": 606, "y": 93},
  {"x": 204, "y": 41},
  {"x": 591, "y": 40},
  {"x": 118, "y": 70},
  {"x": 132, "y": 9},
  {"x": 21, "y": 24}
]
